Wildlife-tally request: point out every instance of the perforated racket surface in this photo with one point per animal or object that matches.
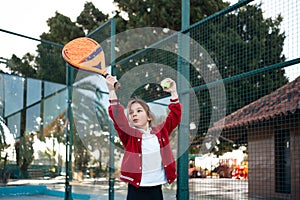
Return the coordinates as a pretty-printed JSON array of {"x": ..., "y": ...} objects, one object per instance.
[{"x": 86, "y": 54}]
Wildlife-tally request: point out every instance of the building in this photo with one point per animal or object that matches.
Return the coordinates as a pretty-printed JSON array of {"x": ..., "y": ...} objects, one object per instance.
[{"x": 271, "y": 128}]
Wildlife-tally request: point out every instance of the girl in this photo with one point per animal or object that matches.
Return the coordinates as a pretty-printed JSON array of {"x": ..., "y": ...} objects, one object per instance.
[{"x": 148, "y": 161}]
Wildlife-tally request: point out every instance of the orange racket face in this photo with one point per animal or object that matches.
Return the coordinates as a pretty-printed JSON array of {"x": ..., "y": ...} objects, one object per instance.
[{"x": 86, "y": 54}]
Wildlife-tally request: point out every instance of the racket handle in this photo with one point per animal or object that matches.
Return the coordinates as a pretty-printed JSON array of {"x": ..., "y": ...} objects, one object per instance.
[{"x": 117, "y": 85}]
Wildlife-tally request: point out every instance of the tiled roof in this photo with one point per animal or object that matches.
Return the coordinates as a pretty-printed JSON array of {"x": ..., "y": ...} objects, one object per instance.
[{"x": 282, "y": 101}]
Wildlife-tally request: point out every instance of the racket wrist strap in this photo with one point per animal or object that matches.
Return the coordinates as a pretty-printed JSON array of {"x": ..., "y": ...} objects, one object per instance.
[
  {"x": 174, "y": 100},
  {"x": 114, "y": 101}
]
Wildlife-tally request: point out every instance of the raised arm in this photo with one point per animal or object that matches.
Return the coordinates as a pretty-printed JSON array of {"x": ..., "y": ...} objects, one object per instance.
[
  {"x": 174, "y": 116},
  {"x": 110, "y": 81}
]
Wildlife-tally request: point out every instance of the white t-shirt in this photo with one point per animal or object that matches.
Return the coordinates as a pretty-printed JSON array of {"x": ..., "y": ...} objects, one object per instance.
[{"x": 153, "y": 172}]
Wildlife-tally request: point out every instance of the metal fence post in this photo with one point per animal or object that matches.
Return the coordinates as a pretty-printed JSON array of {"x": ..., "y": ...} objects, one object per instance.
[
  {"x": 183, "y": 130},
  {"x": 112, "y": 131},
  {"x": 111, "y": 161},
  {"x": 69, "y": 133}
]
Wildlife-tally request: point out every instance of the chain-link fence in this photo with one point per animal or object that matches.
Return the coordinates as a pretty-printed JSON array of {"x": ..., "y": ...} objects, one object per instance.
[{"x": 237, "y": 74}]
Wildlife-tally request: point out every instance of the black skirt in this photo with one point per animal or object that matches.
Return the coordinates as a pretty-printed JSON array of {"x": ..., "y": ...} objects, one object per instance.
[{"x": 144, "y": 193}]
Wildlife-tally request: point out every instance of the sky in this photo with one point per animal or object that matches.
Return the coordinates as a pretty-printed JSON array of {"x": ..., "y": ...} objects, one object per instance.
[{"x": 29, "y": 18}]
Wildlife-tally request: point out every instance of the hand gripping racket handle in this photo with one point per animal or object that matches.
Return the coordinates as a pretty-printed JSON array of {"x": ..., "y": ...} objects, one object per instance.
[{"x": 117, "y": 85}]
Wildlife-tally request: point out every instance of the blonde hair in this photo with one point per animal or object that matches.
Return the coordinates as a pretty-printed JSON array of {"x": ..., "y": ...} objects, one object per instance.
[{"x": 145, "y": 106}]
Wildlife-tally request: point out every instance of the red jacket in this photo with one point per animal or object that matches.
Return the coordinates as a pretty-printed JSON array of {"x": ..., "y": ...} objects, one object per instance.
[{"x": 131, "y": 168}]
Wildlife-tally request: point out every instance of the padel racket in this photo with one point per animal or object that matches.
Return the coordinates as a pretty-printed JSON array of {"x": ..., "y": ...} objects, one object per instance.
[{"x": 86, "y": 54}]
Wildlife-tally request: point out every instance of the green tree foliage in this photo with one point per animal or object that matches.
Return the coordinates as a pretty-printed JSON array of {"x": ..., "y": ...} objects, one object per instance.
[
  {"x": 25, "y": 67},
  {"x": 61, "y": 29},
  {"x": 81, "y": 154},
  {"x": 3, "y": 144},
  {"x": 247, "y": 34},
  {"x": 165, "y": 13},
  {"x": 24, "y": 153},
  {"x": 90, "y": 18}
]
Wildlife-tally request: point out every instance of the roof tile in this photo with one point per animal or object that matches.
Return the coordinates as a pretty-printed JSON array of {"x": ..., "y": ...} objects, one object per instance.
[{"x": 282, "y": 101}]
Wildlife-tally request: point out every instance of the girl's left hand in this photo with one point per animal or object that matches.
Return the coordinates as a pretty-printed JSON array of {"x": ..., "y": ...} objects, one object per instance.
[{"x": 172, "y": 87}]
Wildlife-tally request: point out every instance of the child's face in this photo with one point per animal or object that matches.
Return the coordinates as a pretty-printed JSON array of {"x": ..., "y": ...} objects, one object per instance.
[{"x": 138, "y": 116}]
